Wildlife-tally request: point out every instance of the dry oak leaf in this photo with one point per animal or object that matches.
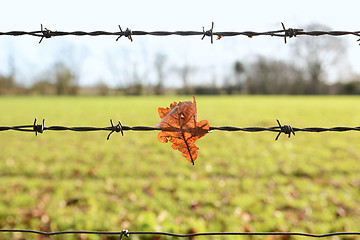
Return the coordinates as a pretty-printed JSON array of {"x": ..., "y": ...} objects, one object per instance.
[{"x": 179, "y": 126}]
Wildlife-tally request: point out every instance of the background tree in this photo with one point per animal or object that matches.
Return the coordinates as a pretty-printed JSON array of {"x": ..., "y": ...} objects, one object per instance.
[
  {"x": 268, "y": 76},
  {"x": 234, "y": 82},
  {"x": 7, "y": 81},
  {"x": 316, "y": 56},
  {"x": 160, "y": 61},
  {"x": 239, "y": 70},
  {"x": 185, "y": 73},
  {"x": 66, "y": 82}
]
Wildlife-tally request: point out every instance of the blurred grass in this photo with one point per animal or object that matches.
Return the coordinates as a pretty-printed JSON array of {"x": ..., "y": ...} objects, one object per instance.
[{"x": 241, "y": 181}]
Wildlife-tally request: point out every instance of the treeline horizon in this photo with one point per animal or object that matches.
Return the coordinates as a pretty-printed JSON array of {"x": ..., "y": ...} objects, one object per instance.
[
  {"x": 264, "y": 76},
  {"x": 249, "y": 86}
]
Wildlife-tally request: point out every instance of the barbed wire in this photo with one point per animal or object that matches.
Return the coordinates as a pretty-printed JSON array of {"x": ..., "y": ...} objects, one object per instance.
[
  {"x": 127, "y": 233},
  {"x": 128, "y": 33},
  {"x": 120, "y": 128}
]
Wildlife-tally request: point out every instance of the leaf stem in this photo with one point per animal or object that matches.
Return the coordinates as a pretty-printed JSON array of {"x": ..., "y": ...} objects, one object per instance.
[{"x": 187, "y": 146}]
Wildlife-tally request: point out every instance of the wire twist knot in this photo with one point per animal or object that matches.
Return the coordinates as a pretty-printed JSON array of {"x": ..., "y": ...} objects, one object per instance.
[
  {"x": 287, "y": 129},
  {"x": 208, "y": 33},
  {"x": 290, "y": 32},
  {"x": 127, "y": 34},
  {"x": 47, "y": 33},
  {"x": 115, "y": 128},
  {"x": 39, "y": 128}
]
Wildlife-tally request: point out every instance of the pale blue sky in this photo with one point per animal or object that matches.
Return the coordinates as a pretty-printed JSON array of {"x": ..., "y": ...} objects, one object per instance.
[{"x": 93, "y": 54}]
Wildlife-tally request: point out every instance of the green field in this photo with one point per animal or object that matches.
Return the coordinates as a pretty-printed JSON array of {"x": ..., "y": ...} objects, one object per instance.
[{"x": 240, "y": 181}]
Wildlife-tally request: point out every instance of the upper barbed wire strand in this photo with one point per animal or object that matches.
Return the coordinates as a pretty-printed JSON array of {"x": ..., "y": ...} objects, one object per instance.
[{"x": 283, "y": 33}]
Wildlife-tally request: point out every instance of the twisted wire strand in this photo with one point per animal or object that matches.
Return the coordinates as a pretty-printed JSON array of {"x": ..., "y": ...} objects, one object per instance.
[
  {"x": 284, "y": 33},
  {"x": 286, "y": 129},
  {"x": 129, "y": 233},
  {"x": 276, "y": 129}
]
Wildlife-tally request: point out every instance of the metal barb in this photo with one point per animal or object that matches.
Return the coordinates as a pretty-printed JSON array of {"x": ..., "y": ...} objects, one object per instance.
[
  {"x": 38, "y": 128},
  {"x": 127, "y": 34},
  {"x": 125, "y": 233},
  {"x": 209, "y": 33},
  {"x": 284, "y": 31},
  {"x": 290, "y": 32},
  {"x": 121, "y": 31},
  {"x": 117, "y": 128},
  {"x": 46, "y": 33},
  {"x": 287, "y": 129}
]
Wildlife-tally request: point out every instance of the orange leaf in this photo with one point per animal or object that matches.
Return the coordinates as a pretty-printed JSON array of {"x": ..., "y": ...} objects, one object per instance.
[{"x": 180, "y": 127}]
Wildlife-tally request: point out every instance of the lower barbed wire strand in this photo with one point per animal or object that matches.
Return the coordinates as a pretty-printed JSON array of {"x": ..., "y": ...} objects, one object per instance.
[{"x": 129, "y": 233}]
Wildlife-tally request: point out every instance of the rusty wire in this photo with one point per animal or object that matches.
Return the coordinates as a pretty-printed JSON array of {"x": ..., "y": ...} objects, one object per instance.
[
  {"x": 189, "y": 235},
  {"x": 120, "y": 128},
  {"x": 128, "y": 33}
]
